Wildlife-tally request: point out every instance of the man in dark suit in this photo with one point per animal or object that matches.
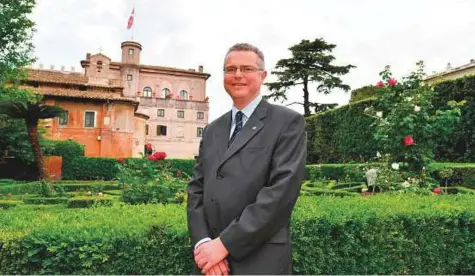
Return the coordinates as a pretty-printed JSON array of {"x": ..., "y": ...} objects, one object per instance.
[{"x": 248, "y": 176}]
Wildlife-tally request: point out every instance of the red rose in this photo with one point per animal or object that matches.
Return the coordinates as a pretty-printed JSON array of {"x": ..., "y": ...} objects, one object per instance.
[
  {"x": 436, "y": 190},
  {"x": 121, "y": 160},
  {"x": 408, "y": 140},
  {"x": 392, "y": 82},
  {"x": 157, "y": 156},
  {"x": 380, "y": 84}
]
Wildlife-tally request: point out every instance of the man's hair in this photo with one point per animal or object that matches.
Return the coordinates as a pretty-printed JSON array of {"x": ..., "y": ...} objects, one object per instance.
[{"x": 246, "y": 47}]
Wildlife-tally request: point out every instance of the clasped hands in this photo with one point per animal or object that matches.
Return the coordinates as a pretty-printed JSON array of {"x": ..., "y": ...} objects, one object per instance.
[{"x": 210, "y": 258}]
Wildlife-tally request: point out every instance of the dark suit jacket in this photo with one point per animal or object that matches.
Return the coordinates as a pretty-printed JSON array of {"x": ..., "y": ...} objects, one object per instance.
[{"x": 245, "y": 194}]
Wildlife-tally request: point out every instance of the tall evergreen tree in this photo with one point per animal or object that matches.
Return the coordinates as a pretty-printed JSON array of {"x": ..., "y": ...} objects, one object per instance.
[{"x": 311, "y": 62}]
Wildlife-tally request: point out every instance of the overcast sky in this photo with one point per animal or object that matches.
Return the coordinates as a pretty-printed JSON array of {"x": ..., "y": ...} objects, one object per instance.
[{"x": 186, "y": 33}]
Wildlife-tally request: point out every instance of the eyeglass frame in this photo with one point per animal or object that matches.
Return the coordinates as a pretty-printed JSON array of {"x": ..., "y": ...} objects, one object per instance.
[{"x": 240, "y": 68}]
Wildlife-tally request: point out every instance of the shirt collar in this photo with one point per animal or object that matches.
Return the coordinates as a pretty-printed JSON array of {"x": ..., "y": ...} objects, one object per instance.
[{"x": 249, "y": 109}]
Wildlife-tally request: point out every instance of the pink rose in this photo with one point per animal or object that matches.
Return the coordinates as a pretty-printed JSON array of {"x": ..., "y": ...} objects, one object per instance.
[{"x": 392, "y": 82}]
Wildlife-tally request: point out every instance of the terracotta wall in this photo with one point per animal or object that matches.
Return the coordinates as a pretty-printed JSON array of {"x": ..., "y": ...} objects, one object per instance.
[{"x": 109, "y": 137}]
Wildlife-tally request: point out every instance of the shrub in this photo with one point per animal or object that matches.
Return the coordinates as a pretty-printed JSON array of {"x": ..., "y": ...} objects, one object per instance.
[
  {"x": 86, "y": 202},
  {"x": 151, "y": 180},
  {"x": 460, "y": 144},
  {"x": 398, "y": 234},
  {"x": 341, "y": 135},
  {"x": 46, "y": 200}
]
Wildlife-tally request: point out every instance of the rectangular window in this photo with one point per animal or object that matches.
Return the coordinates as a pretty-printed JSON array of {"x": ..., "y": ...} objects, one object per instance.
[
  {"x": 180, "y": 114},
  {"x": 161, "y": 113},
  {"x": 161, "y": 130},
  {"x": 90, "y": 119},
  {"x": 199, "y": 132},
  {"x": 129, "y": 77},
  {"x": 200, "y": 115},
  {"x": 63, "y": 118},
  {"x": 131, "y": 52},
  {"x": 146, "y": 129}
]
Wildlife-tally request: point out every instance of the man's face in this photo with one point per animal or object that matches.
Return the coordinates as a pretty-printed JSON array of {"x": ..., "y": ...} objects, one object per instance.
[{"x": 243, "y": 76}]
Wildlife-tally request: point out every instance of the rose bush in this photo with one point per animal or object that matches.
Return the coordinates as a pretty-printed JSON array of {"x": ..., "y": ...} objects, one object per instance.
[
  {"x": 150, "y": 180},
  {"x": 408, "y": 127}
]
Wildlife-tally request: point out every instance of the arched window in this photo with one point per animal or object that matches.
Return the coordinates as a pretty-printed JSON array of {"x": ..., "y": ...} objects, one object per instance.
[
  {"x": 184, "y": 94},
  {"x": 165, "y": 92},
  {"x": 147, "y": 92}
]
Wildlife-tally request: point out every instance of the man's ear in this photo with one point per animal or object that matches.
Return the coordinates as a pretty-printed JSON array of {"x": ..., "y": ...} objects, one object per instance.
[{"x": 263, "y": 75}]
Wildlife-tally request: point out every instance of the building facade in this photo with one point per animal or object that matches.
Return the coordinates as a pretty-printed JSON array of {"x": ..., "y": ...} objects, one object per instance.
[
  {"x": 97, "y": 116},
  {"x": 452, "y": 73},
  {"x": 115, "y": 108},
  {"x": 173, "y": 99}
]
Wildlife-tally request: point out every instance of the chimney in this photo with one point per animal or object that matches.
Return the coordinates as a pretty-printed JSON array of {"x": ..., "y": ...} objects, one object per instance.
[{"x": 200, "y": 68}]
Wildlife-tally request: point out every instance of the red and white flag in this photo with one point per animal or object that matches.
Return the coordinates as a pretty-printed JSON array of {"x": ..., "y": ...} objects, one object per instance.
[{"x": 131, "y": 19}]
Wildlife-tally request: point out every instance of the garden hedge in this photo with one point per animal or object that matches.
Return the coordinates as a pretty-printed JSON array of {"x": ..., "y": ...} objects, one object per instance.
[
  {"x": 460, "y": 145},
  {"x": 403, "y": 234},
  {"x": 100, "y": 168},
  {"x": 344, "y": 134},
  {"x": 463, "y": 173},
  {"x": 341, "y": 134}
]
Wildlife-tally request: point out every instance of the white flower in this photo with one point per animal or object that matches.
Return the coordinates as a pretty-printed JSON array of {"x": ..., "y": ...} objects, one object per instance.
[
  {"x": 406, "y": 184},
  {"x": 364, "y": 190},
  {"x": 395, "y": 166},
  {"x": 378, "y": 154},
  {"x": 417, "y": 108},
  {"x": 379, "y": 114},
  {"x": 409, "y": 99}
]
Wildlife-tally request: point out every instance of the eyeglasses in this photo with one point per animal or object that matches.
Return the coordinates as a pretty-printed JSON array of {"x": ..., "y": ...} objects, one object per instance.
[{"x": 243, "y": 69}]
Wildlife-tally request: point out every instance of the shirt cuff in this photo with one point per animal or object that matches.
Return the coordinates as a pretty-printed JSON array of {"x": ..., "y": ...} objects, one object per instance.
[{"x": 202, "y": 241}]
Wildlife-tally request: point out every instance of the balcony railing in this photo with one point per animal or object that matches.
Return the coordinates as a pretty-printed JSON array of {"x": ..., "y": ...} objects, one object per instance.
[{"x": 172, "y": 103}]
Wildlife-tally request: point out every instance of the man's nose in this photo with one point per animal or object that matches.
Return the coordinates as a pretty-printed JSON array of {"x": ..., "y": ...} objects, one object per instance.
[{"x": 238, "y": 73}]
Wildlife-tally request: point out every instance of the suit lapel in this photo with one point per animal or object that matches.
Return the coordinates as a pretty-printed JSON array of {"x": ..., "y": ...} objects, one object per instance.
[
  {"x": 222, "y": 134},
  {"x": 253, "y": 125}
]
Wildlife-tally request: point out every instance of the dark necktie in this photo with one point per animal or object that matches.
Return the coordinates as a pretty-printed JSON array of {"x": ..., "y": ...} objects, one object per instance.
[{"x": 238, "y": 119}]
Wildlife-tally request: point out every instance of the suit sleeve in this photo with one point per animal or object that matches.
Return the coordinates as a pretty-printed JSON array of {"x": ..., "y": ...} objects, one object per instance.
[
  {"x": 197, "y": 226},
  {"x": 274, "y": 203}
]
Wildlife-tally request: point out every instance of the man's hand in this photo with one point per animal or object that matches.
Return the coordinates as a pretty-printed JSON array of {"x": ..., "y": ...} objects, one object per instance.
[
  {"x": 222, "y": 268},
  {"x": 209, "y": 254}
]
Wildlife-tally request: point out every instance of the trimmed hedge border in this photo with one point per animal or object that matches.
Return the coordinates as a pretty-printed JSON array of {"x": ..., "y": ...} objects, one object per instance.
[{"x": 398, "y": 234}]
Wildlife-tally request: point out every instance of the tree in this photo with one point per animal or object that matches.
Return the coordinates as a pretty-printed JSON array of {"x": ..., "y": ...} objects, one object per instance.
[
  {"x": 31, "y": 113},
  {"x": 310, "y": 62},
  {"x": 16, "y": 31}
]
